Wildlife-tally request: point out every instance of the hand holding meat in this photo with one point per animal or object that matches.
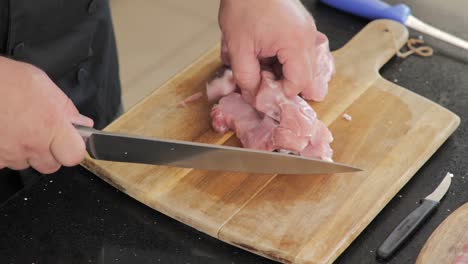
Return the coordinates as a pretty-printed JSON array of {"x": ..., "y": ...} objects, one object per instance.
[
  {"x": 37, "y": 121},
  {"x": 256, "y": 100},
  {"x": 259, "y": 29}
]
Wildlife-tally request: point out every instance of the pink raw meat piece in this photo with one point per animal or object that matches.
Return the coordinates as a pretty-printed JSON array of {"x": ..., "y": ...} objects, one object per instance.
[
  {"x": 270, "y": 96},
  {"x": 299, "y": 130},
  {"x": 266, "y": 119},
  {"x": 220, "y": 87},
  {"x": 462, "y": 258},
  {"x": 193, "y": 98},
  {"x": 260, "y": 137},
  {"x": 293, "y": 117},
  {"x": 286, "y": 140},
  {"x": 319, "y": 143},
  {"x": 233, "y": 113},
  {"x": 323, "y": 71}
]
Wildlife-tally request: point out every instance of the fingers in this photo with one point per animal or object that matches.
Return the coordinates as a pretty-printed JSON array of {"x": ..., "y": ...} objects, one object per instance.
[
  {"x": 75, "y": 117},
  {"x": 67, "y": 146},
  {"x": 297, "y": 70},
  {"x": 224, "y": 52},
  {"x": 245, "y": 66},
  {"x": 18, "y": 165},
  {"x": 42, "y": 136},
  {"x": 44, "y": 163},
  {"x": 81, "y": 120}
]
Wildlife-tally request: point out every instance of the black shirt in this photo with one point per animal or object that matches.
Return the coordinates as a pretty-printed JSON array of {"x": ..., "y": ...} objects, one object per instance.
[{"x": 3, "y": 24}]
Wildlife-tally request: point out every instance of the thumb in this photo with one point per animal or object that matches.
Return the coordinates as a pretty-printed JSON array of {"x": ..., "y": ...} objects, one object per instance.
[
  {"x": 67, "y": 146},
  {"x": 245, "y": 68},
  {"x": 75, "y": 117},
  {"x": 224, "y": 51},
  {"x": 79, "y": 119}
]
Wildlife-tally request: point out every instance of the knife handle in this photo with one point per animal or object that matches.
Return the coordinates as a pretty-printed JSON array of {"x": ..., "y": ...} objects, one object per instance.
[
  {"x": 372, "y": 9},
  {"x": 406, "y": 228}
]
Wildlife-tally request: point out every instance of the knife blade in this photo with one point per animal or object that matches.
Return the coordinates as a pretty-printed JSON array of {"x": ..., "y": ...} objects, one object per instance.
[
  {"x": 136, "y": 149},
  {"x": 415, "y": 219}
]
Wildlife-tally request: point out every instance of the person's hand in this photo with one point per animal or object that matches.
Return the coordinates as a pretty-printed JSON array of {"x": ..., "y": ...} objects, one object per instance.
[
  {"x": 258, "y": 29},
  {"x": 36, "y": 120}
]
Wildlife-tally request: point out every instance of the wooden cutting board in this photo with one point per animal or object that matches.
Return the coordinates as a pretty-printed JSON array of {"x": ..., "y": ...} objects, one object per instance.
[
  {"x": 448, "y": 239},
  {"x": 300, "y": 219}
]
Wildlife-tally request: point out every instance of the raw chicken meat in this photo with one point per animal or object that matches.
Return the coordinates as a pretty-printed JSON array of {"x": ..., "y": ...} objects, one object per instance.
[
  {"x": 347, "y": 117},
  {"x": 462, "y": 258},
  {"x": 233, "y": 113},
  {"x": 220, "y": 87},
  {"x": 193, "y": 98},
  {"x": 267, "y": 119}
]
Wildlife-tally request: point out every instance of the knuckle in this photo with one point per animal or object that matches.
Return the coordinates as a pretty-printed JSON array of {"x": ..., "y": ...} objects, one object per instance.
[
  {"x": 11, "y": 160},
  {"x": 299, "y": 35},
  {"x": 48, "y": 168},
  {"x": 35, "y": 75},
  {"x": 44, "y": 162},
  {"x": 18, "y": 166},
  {"x": 26, "y": 148},
  {"x": 246, "y": 83},
  {"x": 245, "y": 75}
]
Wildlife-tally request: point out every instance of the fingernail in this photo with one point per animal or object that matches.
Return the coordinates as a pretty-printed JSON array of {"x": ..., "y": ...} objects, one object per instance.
[{"x": 87, "y": 121}]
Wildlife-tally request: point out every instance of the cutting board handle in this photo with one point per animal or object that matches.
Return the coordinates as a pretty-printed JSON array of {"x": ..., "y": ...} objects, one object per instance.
[{"x": 372, "y": 47}]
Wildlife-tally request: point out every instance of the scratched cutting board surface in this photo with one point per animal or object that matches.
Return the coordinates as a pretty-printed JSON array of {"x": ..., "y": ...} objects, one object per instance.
[
  {"x": 304, "y": 218},
  {"x": 448, "y": 239}
]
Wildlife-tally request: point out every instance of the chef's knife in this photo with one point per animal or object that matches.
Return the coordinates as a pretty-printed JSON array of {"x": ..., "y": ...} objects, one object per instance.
[
  {"x": 410, "y": 224},
  {"x": 376, "y": 9},
  {"x": 135, "y": 149}
]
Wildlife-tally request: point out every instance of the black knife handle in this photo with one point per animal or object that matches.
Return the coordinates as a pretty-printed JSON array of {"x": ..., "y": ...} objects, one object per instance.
[{"x": 406, "y": 228}]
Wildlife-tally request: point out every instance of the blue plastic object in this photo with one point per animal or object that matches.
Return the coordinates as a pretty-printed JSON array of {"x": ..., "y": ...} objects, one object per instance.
[{"x": 372, "y": 9}]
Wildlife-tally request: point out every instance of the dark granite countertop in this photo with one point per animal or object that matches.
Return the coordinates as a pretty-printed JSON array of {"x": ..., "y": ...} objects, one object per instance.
[{"x": 74, "y": 217}]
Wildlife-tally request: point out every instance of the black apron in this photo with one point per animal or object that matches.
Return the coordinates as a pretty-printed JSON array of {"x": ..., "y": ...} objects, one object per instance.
[{"x": 73, "y": 42}]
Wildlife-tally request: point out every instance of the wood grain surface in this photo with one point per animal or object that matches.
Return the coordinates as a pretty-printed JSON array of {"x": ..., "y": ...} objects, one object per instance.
[
  {"x": 448, "y": 240},
  {"x": 291, "y": 219}
]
